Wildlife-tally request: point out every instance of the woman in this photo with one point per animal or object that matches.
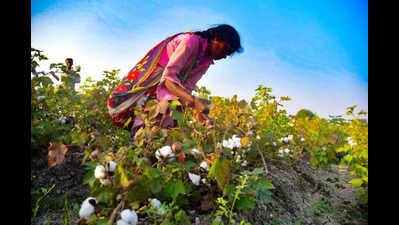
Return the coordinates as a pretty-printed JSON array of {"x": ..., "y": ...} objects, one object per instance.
[{"x": 169, "y": 71}]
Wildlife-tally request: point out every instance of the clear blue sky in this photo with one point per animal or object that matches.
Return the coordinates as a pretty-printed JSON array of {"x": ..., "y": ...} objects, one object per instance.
[{"x": 316, "y": 52}]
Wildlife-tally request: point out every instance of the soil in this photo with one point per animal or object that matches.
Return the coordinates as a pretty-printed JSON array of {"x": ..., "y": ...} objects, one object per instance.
[{"x": 300, "y": 195}]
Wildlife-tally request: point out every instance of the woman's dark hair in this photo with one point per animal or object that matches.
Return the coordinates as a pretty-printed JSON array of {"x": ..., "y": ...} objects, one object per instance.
[{"x": 223, "y": 32}]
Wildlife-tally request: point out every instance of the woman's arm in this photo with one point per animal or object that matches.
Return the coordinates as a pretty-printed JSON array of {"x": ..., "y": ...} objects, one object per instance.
[{"x": 191, "y": 100}]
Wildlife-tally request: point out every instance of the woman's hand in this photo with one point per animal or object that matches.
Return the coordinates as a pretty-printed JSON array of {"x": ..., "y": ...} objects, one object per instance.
[
  {"x": 201, "y": 105},
  {"x": 203, "y": 119}
]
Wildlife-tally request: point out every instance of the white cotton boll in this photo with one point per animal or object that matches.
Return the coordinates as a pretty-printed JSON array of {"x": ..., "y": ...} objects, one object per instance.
[
  {"x": 203, "y": 180},
  {"x": 251, "y": 132},
  {"x": 219, "y": 145},
  {"x": 99, "y": 172},
  {"x": 194, "y": 178},
  {"x": 87, "y": 208},
  {"x": 111, "y": 166},
  {"x": 204, "y": 166},
  {"x": 274, "y": 144},
  {"x": 290, "y": 137},
  {"x": 129, "y": 216},
  {"x": 163, "y": 152},
  {"x": 195, "y": 152},
  {"x": 226, "y": 144},
  {"x": 238, "y": 158},
  {"x": 302, "y": 139},
  {"x": 258, "y": 137},
  {"x": 290, "y": 124},
  {"x": 121, "y": 222},
  {"x": 41, "y": 97},
  {"x": 287, "y": 150},
  {"x": 245, "y": 163},
  {"x": 155, "y": 203}
]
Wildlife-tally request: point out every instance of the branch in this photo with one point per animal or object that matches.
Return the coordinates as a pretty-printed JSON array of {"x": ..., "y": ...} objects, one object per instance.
[
  {"x": 263, "y": 158},
  {"x": 113, "y": 215}
]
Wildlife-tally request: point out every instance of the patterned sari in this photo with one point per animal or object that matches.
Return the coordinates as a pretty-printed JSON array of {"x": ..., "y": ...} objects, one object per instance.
[{"x": 138, "y": 87}]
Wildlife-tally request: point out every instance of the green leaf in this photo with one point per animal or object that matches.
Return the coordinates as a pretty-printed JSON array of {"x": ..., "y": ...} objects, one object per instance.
[
  {"x": 103, "y": 222},
  {"x": 179, "y": 116},
  {"x": 220, "y": 170},
  {"x": 174, "y": 188},
  {"x": 356, "y": 182},
  {"x": 245, "y": 204}
]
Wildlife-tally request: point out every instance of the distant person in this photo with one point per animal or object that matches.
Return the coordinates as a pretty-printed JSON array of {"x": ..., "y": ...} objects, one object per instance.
[
  {"x": 169, "y": 71},
  {"x": 71, "y": 73}
]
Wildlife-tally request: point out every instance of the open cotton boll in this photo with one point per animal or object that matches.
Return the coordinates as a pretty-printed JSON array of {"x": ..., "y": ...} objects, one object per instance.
[
  {"x": 287, "y": 150},
  {"x": 155, "y": 203},
  {"x": 129, "y": 216},
  {"x": 163, "y": 152},
  {"x": 100, "y": 172},
  {"x": 302, "y": 139},
  {"x": 203, "y": 180},
  {"x": 290, "y": 137},
  {"x": 121, "y": 222},
  {"x": 111, "y": 166},
  {"x": 245, "y": 163},
  {"x": 204, "y": 166},
  {"x": 87, "y": 208},
  {"x": 258, "y": 137},
  {"x": 41, "y": 97},
  {"x": 195, "y": 152},
  {"x": 194, "y": 178},
  {"x": 274, "y": 144}
]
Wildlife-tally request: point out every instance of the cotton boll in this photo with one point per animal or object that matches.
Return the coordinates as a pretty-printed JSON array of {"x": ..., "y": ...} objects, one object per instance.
[
  {"x": 287, "y": 150},
  {"x": 274, "y": 144},
  {"x": 290, "y": 137},
  {"x": 111, "y": 166},
  {"x": 87, "y": 208},
  {"x": 163, "y": 152},
  {"x": 203, "y": 180},
  {"x": 245, "y": 163},
  {"x": 155, "y": 203},
  {"x": 204, "y": 166},
  {"x": 194, "y": 178},
  {"x": 121, "y": 222},
  {"x": 100, "y": 172},
  {"x": 129, "y": 216},
  {"x": 41, "y": 97},
  {"x": 195, "y": 152},
  {"x": 258, "y": 137},
  {"x": 238, "y": 158},
  {"x": 302, "y": 139}
]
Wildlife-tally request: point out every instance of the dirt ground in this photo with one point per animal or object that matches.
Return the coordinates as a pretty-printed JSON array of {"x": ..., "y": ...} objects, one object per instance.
[{"x": 297, "y": 198}]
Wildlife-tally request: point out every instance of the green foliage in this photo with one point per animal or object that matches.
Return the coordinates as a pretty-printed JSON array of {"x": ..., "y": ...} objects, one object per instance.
[
  {"x": 234, "y": 180},
  {"x": 305, "y": 113}
]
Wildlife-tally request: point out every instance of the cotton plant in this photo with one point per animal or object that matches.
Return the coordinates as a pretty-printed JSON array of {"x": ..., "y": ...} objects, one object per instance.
[
  {"x": 105, "y": 173},
  {"x": 283, "y": 152},
  {"x": 128, "y": 217},
  {"x": 350, "y": 141},
  {"x": 87, "y": 208},
  {"x": 204, "y": 165},
  {"x": 195, "y": 179},
  {"x": 233, "y": 142},
  {"x": 165, "y": 153}
]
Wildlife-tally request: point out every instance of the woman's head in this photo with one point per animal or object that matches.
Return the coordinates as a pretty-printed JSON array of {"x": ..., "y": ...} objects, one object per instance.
[{"x": 223, "y": 40}]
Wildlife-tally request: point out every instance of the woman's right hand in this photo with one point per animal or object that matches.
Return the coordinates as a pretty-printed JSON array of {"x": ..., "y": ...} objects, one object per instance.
[{"x": 200, "y": 105}]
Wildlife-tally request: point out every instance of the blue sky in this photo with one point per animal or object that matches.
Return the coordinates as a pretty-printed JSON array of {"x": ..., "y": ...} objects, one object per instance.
[{"x": 316, "y": 52}]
